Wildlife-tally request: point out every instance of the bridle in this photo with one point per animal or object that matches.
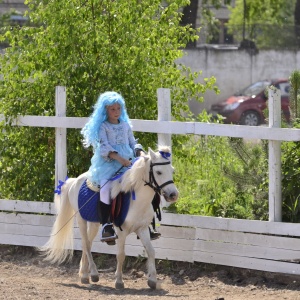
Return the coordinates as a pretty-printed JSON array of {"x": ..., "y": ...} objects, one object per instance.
[{"x": 152, "y": 182}]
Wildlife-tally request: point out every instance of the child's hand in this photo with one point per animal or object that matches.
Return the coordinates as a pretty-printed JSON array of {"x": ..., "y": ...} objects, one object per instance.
[{"x": 126, "y": 162}]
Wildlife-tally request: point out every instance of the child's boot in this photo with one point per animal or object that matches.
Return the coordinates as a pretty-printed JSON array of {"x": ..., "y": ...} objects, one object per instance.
[{"x": 108, "y": 234}]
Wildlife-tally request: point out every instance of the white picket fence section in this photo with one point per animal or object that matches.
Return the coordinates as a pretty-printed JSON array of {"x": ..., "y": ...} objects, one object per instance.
[{"x": 271, "y": 245}]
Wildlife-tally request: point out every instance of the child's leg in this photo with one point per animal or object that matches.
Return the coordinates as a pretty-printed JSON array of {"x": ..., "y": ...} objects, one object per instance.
[
  {"x": 105, "y": 191},
  {"x": 155, "y": 203},
  {"x": 107, "y": 234},
  {"x": 154, "y": 235}
]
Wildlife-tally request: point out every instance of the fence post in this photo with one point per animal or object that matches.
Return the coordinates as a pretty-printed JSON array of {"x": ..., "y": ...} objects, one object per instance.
[
  {"x": 164, "y": 114},
  {"x": 60, "y": 136},
  {"x": 275, "y": 199}
]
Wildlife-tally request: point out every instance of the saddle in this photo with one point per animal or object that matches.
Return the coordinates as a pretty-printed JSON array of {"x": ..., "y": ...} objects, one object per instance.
[{"x": 119, "y": 208}]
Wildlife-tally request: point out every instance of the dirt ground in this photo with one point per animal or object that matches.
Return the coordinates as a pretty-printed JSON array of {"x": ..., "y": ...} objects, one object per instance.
[{"x": 24, "y": 275}]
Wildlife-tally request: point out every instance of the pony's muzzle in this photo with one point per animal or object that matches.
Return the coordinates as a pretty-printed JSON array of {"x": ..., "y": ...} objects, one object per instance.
[{"x": 170, "y": 197}]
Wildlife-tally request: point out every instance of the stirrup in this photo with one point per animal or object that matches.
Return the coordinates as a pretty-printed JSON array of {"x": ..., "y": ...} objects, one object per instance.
[{"x": 109, "y": 235}]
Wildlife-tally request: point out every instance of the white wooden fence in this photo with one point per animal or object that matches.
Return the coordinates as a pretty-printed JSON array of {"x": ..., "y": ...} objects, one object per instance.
[{"x": 262, "y": 245}]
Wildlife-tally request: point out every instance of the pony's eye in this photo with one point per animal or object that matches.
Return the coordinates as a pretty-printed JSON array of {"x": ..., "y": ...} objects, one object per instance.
[{"x": 158, "y": 173}]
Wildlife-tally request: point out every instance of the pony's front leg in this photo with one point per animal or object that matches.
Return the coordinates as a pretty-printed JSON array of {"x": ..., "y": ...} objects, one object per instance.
[
  {"x": 119, "y": 284},
  {"x": 145, "y": 238}
]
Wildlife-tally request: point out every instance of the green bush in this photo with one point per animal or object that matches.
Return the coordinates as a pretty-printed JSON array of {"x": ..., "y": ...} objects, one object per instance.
[
  {"x": 223, "y": 177},
  {"x": 291, "y": 159},
  {"x": 290, "y": 180}
]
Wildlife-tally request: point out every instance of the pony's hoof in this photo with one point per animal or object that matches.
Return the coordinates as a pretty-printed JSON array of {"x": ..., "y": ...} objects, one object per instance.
[
  {"x": 119, "y": 285},
  {"x": 95, "y": 278},
  {"x": 152, "y": 284},
  {"x": 84, "y": 280}
]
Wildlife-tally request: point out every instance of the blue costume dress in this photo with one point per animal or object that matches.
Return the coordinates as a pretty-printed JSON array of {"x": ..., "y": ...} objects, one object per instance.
[{"x": 112, "y": 138}]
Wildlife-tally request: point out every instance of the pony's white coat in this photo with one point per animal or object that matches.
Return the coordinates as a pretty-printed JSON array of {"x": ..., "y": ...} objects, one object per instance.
[{"x": 60, "y": 245}]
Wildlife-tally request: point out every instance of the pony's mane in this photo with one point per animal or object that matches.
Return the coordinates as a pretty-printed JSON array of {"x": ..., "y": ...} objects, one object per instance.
[
  {"x": 135, "y": 177},
  {"x": 132, "y": 179}
]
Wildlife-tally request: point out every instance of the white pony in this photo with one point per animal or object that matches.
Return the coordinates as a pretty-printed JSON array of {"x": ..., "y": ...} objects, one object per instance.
[{"x": 149, "y": 174}]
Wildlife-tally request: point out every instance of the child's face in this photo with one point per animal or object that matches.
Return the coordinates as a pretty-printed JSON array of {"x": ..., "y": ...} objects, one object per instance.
[{"x": 113, "y": 113}]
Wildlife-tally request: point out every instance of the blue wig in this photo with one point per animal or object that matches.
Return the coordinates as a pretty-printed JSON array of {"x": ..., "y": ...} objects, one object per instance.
[{"x": 91, "y": 129}]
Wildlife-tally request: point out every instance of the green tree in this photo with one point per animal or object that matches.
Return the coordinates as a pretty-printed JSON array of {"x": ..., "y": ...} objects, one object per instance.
[
  {"x": 262, "y": 21},
  {"x": 89, "y": 47},
  {"x": 297, "y": 21},
  {"x": 294, "y": 94}
]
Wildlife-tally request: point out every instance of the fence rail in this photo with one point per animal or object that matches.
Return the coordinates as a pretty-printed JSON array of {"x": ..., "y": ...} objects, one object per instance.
[
  {"x": 173, "y": 127},
  {"x": 261, "y": 245}
]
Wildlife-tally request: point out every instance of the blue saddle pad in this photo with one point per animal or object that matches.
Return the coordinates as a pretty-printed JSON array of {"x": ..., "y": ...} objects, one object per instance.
[{"x": 87, "y": 203}]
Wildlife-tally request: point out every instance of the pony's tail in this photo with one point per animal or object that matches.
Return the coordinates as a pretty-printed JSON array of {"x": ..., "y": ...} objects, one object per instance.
[{"x": 59, "y": 247}]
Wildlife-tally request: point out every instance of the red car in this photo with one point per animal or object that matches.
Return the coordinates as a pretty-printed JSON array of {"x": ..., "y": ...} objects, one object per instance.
[{"x": 246, "y": 106}]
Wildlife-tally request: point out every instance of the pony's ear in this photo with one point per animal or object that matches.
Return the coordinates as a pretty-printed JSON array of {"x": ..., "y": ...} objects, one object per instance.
[
  {"x": 145, "y": 158},
  {"x": 151, "y": 153}
]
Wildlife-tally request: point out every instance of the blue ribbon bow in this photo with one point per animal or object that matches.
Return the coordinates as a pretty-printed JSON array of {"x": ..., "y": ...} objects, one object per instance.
[
  {"x": 60, "y": 184},
  {"x": 165, "y": 155}
]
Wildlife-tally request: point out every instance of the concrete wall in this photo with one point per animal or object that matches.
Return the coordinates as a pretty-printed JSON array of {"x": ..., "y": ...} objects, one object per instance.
[{"x": 235, "y": 69}]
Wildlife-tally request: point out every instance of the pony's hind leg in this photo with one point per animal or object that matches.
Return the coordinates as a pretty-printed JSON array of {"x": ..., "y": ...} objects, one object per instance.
[
  {"x": 83, "y": 269},
  {"x": 87, "y": 265},
  {"x": 84, "y": 266},
  {"x": 93, "y": 229},
  {"x": 145, "y": 238}
]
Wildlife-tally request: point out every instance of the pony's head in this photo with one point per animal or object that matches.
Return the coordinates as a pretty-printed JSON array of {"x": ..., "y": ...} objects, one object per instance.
[{"x": 161, "y": 173}]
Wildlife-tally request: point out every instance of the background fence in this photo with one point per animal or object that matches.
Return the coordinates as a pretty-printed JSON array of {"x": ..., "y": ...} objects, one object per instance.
[{"x": 270, "y": 246}]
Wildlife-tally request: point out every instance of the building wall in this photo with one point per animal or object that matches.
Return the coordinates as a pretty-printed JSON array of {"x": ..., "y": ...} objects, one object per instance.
[
  {"x": 235, "y": 69},
  {"x": 7, "y": 5}
]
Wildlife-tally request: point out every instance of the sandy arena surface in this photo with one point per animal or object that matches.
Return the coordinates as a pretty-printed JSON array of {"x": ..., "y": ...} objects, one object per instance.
[{"x": 24, "y": 275}]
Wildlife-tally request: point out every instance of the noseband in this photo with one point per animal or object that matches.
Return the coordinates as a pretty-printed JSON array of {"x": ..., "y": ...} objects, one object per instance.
[{"x": 152, "y": 182}]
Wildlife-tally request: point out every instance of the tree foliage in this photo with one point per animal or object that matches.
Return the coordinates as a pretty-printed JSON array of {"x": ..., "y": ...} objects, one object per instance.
[
  {"x": 256, "y": 11},
  {"x": 90, "y": 47},
  {"x": 294, "y": 93},
  {"x": 262, "y": 20},
  {"x": 297, "y": 21}
]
